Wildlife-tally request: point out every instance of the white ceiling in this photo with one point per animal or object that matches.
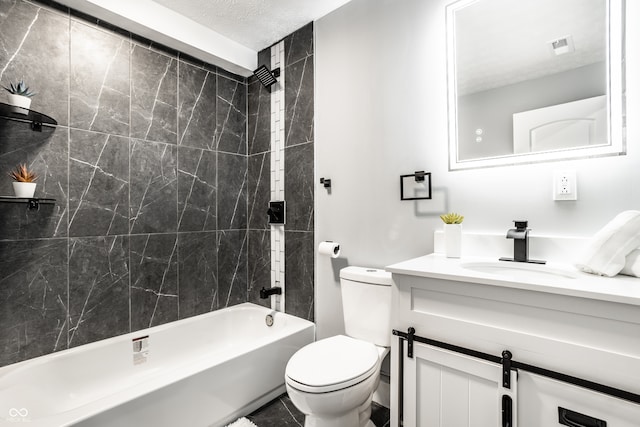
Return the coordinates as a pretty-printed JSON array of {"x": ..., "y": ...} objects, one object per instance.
[
  {"x": 256, "y": 24},
  {"x": 505, "y": 41},
  {"x": 226, "y": 33},
  {"x": 501, "y": 42}
]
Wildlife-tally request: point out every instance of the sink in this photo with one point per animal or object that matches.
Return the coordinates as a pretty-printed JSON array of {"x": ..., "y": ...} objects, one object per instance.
[{"x": 519, "y": 270}]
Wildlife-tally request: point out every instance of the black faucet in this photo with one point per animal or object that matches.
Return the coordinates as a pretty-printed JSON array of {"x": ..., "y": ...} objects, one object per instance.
[
  {"x": 520, "y": 236},
  {"x": 266, "y": 293}
]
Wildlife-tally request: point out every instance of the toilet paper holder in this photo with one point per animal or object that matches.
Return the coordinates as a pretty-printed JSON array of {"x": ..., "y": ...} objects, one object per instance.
[{"x": 329, "y": 248}]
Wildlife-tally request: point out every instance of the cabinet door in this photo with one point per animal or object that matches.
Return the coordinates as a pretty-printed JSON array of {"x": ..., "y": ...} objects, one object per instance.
[
  {"x": 541, "y": 397},
  {"x": 447, "y": 389}
]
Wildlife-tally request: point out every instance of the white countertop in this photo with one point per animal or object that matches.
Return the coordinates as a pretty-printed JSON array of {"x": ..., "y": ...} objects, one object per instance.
[{"x": 619, "y": 289}]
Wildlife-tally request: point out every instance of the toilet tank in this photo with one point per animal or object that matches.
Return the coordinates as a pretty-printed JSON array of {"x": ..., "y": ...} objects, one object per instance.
[{"x": 366, "y": 304}]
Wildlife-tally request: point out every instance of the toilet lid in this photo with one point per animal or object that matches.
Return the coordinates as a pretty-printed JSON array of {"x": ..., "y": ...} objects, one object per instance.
[{"x": 332, "y": 364}]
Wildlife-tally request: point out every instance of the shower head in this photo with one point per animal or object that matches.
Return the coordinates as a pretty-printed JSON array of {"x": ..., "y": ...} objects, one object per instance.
[{"x": 266, "y": 77}]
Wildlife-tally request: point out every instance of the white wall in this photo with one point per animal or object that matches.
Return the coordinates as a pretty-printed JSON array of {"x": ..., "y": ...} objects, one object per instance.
[{"x": 381, "y": 111}]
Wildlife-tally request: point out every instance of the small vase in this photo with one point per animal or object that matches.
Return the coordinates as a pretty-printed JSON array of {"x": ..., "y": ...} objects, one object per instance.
[
  {"x": 24, "y": 189},
  {"x": 21, "y": 104},
  {"x": 452, "y": 240}
]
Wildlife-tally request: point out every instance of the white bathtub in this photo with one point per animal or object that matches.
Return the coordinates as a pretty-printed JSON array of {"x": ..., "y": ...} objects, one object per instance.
[{"x": 201, "y": 371}]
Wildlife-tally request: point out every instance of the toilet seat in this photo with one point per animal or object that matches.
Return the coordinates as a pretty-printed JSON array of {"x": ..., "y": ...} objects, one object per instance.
[{"x": 332, "y": 364}]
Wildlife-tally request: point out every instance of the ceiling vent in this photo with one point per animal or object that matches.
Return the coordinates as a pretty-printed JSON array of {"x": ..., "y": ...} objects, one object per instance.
[{"x": 562, "y": 45}]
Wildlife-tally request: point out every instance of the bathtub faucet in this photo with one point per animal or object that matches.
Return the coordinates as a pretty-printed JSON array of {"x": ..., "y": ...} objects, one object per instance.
[{"x": 266, "y": 293}]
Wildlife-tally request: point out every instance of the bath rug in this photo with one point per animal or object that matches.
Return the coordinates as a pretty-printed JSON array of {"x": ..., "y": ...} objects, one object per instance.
[{"x": 242, "y": 422}]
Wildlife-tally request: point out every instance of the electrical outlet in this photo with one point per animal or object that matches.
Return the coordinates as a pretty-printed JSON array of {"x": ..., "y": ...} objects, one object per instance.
[{"x": 565, "y": 185}]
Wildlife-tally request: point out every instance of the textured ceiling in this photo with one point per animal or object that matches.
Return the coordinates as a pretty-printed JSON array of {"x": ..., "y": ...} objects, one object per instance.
[
  {"x": 501, "y": 42},
  {"x": 256, "y": 24}
]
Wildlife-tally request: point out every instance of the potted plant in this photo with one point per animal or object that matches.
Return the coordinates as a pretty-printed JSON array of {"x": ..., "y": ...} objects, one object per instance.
[
  {"x": 19, "y": 96},
  {"x": 452, "y": 234},
  {"x": 24, "y": 181}
]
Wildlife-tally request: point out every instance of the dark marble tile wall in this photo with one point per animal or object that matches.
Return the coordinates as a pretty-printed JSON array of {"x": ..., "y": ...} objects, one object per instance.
[
  {"x": 198, "y": 272},
  {"x": 33, "y": 298},
  {"x": 154, "y": 279},
  {"x": 299, "y": 169},
  {"x": 98, "y": 288},
  {"x": 149, "y": 170},
  {"x": 99, "y": 104},
  {"x": 299, "y": 86},
  {"x": 35, "y": 45}
]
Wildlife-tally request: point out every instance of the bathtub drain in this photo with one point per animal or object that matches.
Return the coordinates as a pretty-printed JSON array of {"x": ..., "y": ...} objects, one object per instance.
[{"x": 269, "y": 320}]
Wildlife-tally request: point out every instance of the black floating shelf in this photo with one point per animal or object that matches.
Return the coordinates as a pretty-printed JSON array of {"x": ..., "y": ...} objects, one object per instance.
[
  {"x": 33, "y": 203},
  {"x": 27, "y": 116}
]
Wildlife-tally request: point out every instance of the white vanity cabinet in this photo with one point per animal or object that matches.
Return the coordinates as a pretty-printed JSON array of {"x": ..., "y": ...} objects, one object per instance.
[
  {"x": 577, "y": 325},
  {"x": 541, "y": 397},
  {"x": 443, "y": 388}
]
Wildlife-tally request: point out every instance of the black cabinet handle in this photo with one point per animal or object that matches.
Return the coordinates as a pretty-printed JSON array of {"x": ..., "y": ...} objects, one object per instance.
[
  {"x": 507, "y": 411},
  {"x": 570, "y": 418}
]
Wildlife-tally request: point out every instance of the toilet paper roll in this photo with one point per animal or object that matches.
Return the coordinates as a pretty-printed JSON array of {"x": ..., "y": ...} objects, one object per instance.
[{"x": 329, "y": 248}]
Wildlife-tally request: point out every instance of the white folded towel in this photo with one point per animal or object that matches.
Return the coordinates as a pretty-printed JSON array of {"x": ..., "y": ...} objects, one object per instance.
[
  {"x": 606, "y": 252},
  {"x": 632, "y": 264}
]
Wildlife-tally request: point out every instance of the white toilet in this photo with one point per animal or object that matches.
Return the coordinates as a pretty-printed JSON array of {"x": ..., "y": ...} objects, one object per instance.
[{"x": 332, "y": 380}]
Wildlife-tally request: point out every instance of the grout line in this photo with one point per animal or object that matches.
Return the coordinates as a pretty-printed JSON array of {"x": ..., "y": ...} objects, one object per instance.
[
  {"x": 215, "y": 302},
  {"x": 68, "y": 238},
  {"x": 129, "y": 176},
  {"x": 178, "y": 217}
]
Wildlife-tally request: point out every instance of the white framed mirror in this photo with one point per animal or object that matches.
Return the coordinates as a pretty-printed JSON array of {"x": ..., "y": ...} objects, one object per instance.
[{"x": 534, "y": 81}]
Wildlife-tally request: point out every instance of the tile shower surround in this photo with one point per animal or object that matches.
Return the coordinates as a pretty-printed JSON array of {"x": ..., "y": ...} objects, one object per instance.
[
  {"x": 151, "y": 172},
  {"x": 299, "y": 185}
]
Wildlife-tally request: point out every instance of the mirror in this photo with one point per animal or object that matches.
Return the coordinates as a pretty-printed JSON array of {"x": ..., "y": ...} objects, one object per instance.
[{"x": 534, "y": 80}]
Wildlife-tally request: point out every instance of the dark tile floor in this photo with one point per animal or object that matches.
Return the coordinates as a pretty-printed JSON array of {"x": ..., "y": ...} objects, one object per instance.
[{"x": 281, "y": 412}]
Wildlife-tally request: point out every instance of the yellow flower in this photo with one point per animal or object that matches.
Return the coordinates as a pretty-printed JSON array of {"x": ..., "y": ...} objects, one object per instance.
[{"x": 452, "y": 218}]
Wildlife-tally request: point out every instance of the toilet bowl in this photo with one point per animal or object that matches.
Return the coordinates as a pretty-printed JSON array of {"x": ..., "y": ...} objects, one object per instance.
[{"x": 332, "y": 380}]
